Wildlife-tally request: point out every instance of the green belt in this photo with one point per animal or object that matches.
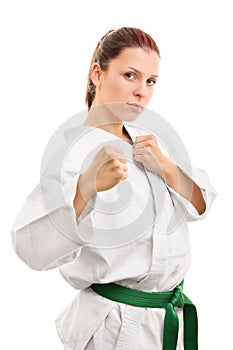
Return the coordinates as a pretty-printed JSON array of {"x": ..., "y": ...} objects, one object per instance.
[{"x": 168, "y": 300}]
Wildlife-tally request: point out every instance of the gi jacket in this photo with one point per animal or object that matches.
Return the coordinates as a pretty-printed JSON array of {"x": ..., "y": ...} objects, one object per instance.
[{"x": 143, "y": 244}]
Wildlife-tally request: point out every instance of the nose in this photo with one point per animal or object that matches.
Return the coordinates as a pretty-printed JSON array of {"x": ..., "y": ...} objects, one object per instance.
[{"x": 140, "y": 91}]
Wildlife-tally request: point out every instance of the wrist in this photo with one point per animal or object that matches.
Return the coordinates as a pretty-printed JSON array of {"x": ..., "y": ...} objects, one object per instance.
[
  {"x": 170, "y": 171},
  {"x": 86, "y": 185}
]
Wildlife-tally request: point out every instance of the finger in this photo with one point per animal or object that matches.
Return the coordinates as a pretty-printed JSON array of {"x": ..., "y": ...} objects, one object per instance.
[
  {"x": 123, "y": 160},
  {"x": 139, "y": 158},
  {"x": 143, "y": 138},
  {"x": 139, "y": 145},
  {"x": 139, "y": 151},
  {"x": 125, "y": 168}
]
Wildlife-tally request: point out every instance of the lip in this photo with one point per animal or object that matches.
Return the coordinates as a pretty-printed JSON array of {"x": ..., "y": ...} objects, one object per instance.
[{"x": 136, "y": 105}]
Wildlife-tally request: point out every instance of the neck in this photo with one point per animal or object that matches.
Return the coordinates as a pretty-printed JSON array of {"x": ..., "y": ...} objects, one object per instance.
[{"x": 103, "y": 117}]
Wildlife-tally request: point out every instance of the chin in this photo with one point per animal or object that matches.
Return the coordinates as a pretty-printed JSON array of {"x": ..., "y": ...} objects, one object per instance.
[{"x": 124, "y": 112}]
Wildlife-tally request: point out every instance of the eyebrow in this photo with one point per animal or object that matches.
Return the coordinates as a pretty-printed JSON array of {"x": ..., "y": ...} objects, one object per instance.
[{"x": 137, "y": 71}]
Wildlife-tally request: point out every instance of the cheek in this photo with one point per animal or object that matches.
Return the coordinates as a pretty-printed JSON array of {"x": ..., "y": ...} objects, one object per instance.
[
  {"x": 119, "y": 90},
  {"x": 150, "y": 94},
  {"x": 126, "y": 88}
]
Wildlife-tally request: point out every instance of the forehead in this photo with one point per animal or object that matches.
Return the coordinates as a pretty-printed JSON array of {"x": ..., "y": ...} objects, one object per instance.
[{"x": 142, "y": 60}]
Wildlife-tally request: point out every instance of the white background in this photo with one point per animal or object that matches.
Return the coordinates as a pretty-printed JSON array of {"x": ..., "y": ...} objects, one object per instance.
[{"x": 46, "y": 47}]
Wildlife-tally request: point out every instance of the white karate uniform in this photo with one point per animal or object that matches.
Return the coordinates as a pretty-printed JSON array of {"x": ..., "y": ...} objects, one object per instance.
[{"x": 155, "y": 261}]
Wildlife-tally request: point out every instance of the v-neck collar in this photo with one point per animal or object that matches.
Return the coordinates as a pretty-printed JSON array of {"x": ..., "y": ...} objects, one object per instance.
[
  {"x": 129, "y": 131},
  {"x": 71, "y": 133}
]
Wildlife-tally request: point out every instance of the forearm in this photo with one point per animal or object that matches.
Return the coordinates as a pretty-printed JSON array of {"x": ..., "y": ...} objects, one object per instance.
[
  {"x": 183, "y": 185},
  {"x": 83, "y": 194}
]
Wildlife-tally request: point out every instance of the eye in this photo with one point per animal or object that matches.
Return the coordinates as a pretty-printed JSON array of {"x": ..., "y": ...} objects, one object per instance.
[
  {"x": 151, "y": 81},
  {"x": 130, "y": 75}
]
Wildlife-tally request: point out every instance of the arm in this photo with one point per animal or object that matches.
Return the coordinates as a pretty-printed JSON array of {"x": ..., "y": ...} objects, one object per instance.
[
  {"x": 183, "y": 185},
  {"x": 194, "y": 193},
  {"x": 84, "y": 192},
  {"x": 47, "y": 233}
]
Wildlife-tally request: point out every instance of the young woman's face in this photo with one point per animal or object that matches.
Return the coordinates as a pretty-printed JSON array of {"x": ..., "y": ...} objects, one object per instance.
[{"x": 129, "y": 81}]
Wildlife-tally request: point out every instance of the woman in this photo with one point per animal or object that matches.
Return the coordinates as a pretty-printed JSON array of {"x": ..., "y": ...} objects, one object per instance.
[{"x": 117, "y": 258}]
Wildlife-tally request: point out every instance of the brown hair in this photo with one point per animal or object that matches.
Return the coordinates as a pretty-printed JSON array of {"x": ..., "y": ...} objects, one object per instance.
[{"x": 111, "y": 45}]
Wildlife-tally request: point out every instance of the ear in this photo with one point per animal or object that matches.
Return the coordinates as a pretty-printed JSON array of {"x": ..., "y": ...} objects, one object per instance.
[{"x": 96, "y": 74}]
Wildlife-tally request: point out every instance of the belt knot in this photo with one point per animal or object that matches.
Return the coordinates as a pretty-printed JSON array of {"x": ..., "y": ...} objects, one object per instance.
[{"x": 178, "y": 297}]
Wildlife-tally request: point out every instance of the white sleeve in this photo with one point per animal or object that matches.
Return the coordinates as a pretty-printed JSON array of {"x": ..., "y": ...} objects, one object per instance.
[
  {"x": 200, "y": 177},
  {"x": 47, "y": 233}
]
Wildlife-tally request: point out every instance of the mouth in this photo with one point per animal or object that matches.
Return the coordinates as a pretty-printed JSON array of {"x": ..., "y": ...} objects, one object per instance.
[{"x": 136, "y": 106}]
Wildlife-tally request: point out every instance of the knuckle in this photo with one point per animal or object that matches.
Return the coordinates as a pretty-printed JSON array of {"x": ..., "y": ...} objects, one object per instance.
[
  {"x": 107, "y": 149},
  {"x": 115, "y": 163},
  {"x": 118, "y": 170}
]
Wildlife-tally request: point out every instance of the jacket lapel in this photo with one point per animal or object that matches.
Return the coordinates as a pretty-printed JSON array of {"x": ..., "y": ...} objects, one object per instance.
[{"x": 157, "y": 184}]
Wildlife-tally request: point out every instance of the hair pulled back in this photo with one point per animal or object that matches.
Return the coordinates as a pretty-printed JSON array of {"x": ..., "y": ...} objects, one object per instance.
[{"x": 111, "y": 45}]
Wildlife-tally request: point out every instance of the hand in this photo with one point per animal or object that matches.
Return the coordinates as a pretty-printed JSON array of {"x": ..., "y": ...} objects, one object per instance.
[
  {"x": 107, "y": 169},
  {"x": 146, "y": 150}
]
